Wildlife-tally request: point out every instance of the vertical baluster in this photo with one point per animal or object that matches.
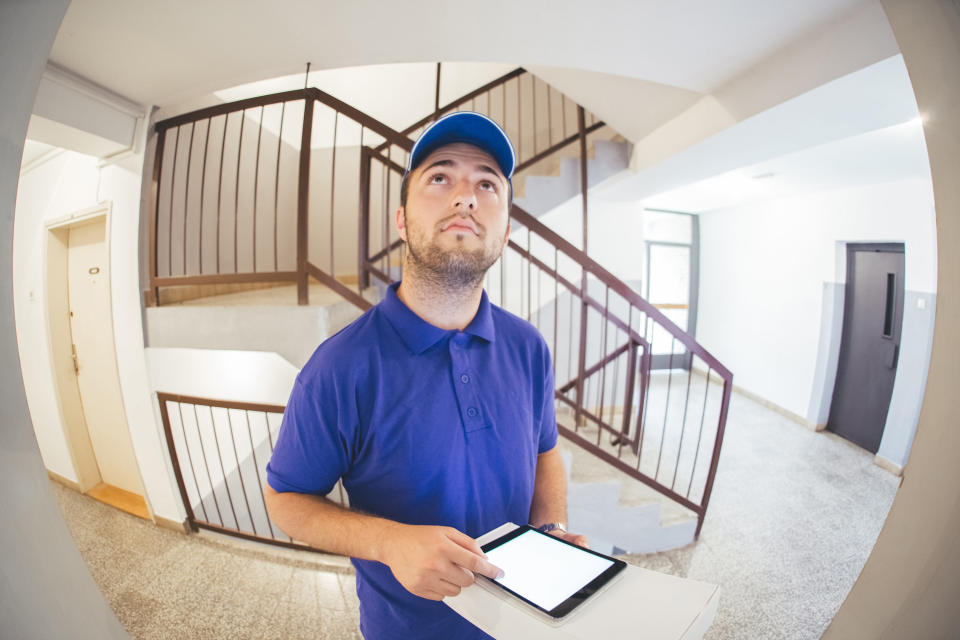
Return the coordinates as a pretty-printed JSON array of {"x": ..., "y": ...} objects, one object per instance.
[
  {"x": 533, "y": 84},
  {"x": 243, "y": 486},
  {"x": 223, "y": 146},
  {"x": 206, "y": 465},
  {"x": 203, "y": 186},
  {"x": 563, "y": 115},
  {"x": 614, "y": 387},
  {"x": 603, "y": 354},
  {"x": 529, "y": 278},
  {"x": 503, "y": 98},
  {"x": 266, "y": 420},
  {"x": 256, "y": 189},
  {"x": 303, "y": 206},
  {"x": 666, "y": 407},
  {"x": 703, "y": 415},
  {"x": 256, "y": 467},
  {"x": 556, "y": 304},
  {"x": 645, "y": 382},
  {"x": 193, "y": 471},
  {"x": 385, "y": 227},
  {"x": 276, "y": 195},
  {"x": 683, "y": 425},
  {"x": 333, "y": 186},
  {"x": 549, "y": 116},
  {"x": 223, "y": 470},
  {"x": 186, "y": 197},
  {"x": 570, "y": 317},
  {"x": 519, "y": 123},
  {"x": 173, "y": 184},
  {"x": 236, "y": 195}
]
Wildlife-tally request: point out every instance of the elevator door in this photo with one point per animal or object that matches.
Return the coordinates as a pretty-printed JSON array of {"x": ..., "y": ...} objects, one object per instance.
[{"x": 870, "y": 343}]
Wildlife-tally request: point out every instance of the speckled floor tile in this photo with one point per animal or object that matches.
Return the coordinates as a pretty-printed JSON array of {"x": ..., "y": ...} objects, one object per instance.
[{"x": 793, "y": 516}]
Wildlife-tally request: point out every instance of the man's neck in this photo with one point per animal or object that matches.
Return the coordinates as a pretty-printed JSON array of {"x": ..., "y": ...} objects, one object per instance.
[{"x": 442, "y": 308}]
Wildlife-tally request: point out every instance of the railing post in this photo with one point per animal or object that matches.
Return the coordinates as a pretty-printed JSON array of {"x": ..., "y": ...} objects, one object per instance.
[
  {"x": 303, "y": 201},
  {"x": 715, "y": 458},
  {"x": 582, "y": 125},
  {"x": 155, "y": 218},
  {"x": 363, "y": 235}
]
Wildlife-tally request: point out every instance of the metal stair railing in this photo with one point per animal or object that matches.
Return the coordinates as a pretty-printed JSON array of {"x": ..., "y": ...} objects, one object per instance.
[{"x": 230, "y": 174}]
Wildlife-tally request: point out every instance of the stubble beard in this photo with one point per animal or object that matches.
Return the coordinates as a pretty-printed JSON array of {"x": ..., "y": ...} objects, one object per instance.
[{"x": 452, "y": 271}]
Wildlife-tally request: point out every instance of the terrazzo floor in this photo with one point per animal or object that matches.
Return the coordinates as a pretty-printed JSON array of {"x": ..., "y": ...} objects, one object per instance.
[{"x": 793, "y": 517}]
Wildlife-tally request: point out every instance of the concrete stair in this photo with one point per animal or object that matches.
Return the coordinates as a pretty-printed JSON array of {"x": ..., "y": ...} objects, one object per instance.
[
  {"x": 543, "y": 193},
  {"x": 257, "y": 320}
]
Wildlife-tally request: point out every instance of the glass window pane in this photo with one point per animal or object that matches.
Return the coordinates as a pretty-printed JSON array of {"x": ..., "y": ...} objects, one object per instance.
[{"x": 667, "y": 227}]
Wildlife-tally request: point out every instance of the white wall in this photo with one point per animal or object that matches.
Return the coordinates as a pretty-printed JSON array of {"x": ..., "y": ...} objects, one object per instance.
[
  {"x": 61, "y": 186},
  {"x": 763, "y": 269}
]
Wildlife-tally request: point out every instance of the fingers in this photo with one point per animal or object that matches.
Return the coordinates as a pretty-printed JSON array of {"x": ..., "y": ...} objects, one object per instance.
[{"x": 471, "y": 556}]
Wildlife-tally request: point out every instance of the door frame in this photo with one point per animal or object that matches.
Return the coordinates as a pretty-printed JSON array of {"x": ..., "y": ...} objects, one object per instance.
[{"x": 60, "y": 336}]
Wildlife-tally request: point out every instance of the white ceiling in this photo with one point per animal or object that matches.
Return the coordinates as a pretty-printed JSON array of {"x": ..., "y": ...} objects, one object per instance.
[
  {"x": 157, "y": 53},
  {"x": 638, "y": 64},
  {"x": 894, "y": 153}
]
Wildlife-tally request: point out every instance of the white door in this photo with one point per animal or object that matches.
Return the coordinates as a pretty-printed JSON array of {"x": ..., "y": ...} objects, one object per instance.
[{"x": 92, "y": 332}]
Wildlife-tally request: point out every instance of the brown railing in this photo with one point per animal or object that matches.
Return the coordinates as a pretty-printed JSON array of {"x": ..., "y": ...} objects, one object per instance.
[
  {"x": 661, "y": 425},
  {"x": 220, "y": 451},
  {"x": 232, "y": 186}
]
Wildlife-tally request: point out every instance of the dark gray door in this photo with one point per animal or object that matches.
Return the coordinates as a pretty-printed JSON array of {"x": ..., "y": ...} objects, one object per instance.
[{"x": 870, "y": 343}]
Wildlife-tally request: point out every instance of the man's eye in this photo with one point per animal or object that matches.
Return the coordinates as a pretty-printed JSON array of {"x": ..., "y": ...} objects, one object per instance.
[
  {"x": 438, "y": 178},
  {"x": 488, "y": 186}
]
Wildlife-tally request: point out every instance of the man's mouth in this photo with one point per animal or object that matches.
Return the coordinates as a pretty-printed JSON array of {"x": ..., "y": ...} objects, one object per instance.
[{"x": 461, "y": 227}]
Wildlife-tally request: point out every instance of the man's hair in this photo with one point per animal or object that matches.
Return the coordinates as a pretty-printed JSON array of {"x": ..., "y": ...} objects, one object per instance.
[{"x": 405, "y": 190}]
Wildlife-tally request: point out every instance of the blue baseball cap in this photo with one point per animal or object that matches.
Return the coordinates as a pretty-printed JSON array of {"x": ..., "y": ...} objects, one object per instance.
[{"x": 468, "y": 127}]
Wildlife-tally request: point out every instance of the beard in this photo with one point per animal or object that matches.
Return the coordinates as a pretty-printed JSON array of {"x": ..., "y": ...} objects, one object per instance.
[{"x": 455, "y": 269}]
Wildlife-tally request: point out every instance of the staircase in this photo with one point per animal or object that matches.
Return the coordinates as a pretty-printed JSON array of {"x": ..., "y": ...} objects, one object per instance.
[
  {"x": 641, "y": 446},
  {"x": 540, "y": 194}
]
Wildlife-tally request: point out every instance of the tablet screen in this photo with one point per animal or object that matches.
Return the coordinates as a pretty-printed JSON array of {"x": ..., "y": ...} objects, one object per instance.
[{"x": 553, "y": 575}]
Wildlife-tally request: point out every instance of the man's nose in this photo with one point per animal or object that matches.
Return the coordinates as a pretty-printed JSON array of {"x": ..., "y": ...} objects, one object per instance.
[{"x": 465, "y": 202}]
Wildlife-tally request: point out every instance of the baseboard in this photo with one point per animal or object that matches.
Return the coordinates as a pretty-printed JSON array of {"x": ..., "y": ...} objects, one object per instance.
[
  {"x": 172, "y": 525},
  {"x": 786, "y": 413},
  {"x": 70, "y": 484},
  {"x": 887, "y": 465}
]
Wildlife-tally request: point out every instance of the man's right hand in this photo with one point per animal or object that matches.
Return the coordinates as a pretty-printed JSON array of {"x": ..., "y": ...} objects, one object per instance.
[{"x": 435, "y": 562}]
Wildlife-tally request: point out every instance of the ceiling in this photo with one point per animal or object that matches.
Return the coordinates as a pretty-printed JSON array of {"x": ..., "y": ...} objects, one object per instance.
[
  {"x": 641, "y": 65},
  {"x": 157, "y": 53}
]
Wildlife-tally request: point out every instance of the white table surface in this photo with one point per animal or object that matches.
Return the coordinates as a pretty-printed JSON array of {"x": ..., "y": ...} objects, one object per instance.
[{"x": 641, "y": 604}]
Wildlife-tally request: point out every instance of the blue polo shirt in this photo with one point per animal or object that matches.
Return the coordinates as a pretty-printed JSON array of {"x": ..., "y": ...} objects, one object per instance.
[{"x": 424, "y": 426}]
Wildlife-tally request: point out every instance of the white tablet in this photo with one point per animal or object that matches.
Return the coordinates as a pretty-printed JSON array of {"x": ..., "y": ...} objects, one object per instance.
[{"x": 551, "y": 575}]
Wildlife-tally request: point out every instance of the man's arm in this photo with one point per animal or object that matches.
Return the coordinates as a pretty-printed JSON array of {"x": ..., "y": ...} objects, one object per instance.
[
  {"x": 550, "y": 494},
  {"x": 430, "y": 562}
]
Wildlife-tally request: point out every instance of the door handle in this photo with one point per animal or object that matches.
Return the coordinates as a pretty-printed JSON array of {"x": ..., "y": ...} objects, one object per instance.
[{"x": 894, "y": 356}]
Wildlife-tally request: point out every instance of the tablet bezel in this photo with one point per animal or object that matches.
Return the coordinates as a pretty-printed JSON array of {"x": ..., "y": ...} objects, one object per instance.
[{"x": 574, "y": 600}]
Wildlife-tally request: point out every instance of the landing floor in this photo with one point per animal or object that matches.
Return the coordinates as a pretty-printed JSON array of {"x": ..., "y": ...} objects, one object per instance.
[{"x": 793, "y": 517}]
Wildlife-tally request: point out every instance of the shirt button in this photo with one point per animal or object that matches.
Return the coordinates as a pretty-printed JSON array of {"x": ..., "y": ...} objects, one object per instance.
[
  {"x": 464, "y": 378},
  {"x": 472, "y": 412}
]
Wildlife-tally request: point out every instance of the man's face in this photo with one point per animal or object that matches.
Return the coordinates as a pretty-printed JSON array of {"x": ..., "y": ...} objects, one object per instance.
[{"x": 456, "y": 220}]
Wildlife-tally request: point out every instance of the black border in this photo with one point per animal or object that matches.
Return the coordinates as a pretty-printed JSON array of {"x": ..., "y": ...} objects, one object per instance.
[{"x": 576, "y": 599}]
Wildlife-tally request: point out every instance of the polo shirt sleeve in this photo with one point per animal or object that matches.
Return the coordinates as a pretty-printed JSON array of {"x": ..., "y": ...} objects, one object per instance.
[
  {"x": 313, "y": 449},
  {"x": 548, "y": 414}
]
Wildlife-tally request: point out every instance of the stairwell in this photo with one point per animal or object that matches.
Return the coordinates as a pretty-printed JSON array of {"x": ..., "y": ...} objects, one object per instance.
[{"x": 616, "y": 496}]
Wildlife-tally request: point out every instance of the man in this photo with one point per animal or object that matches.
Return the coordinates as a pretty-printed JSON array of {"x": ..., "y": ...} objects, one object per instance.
[{"x": 434, "y": 407}]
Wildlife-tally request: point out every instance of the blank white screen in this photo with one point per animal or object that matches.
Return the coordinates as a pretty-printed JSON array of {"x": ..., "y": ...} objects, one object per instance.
[{"x": 545, "y": 570}]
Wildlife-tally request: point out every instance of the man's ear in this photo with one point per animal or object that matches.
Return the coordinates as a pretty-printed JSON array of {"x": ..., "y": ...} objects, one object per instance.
[{"x": 401, "y": 224}]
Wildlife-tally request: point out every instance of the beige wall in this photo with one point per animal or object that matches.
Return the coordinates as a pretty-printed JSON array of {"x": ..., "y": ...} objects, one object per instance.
[{"x": 910, "y": 586}]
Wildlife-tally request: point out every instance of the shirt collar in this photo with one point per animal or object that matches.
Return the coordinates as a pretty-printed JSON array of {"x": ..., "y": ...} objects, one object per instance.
[{"x": 419, "y": 335}]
